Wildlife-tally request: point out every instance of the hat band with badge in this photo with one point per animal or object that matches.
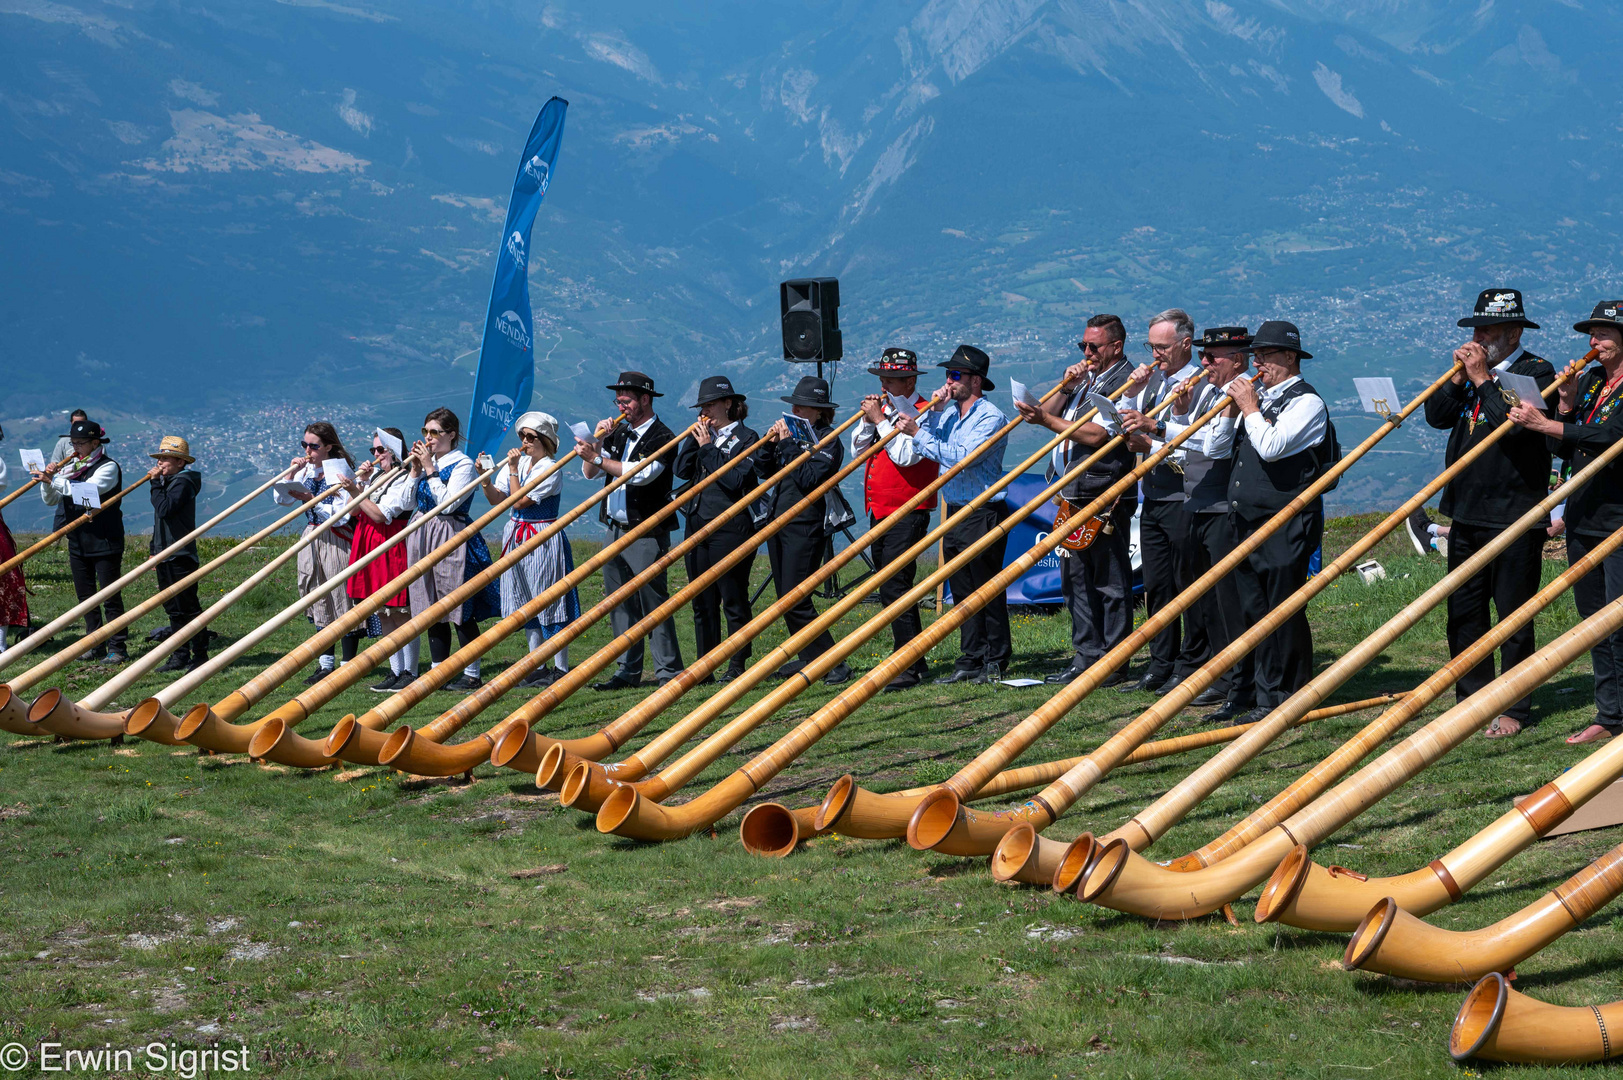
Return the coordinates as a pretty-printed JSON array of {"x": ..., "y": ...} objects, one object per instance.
[
  {"x": 1605, "y": 314},
  {"x": 1498, "y": 307},
  {"x": 636, "y": 382},
  {"x": 896, "y": 364},
  {"x": 173, "y": 446}
]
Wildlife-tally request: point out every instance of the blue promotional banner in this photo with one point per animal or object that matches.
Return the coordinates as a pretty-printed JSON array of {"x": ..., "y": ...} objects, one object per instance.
[{"x": 506, "y": 375}]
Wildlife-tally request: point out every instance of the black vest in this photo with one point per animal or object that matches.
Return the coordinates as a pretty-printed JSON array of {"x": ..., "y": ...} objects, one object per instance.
[
  {"x": 1162, "y": 483},
  {"x": 103, "y": 535},
  {"x": 1260, "y": 488},
  {"x": 642, "y": 500},
  {"x": 1102, "y": 473}
]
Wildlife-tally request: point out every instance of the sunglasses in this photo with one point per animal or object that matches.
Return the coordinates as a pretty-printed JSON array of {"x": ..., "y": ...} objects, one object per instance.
[
  {"x": 312, "y": 445},
  {"x": 957, "y": 376},
  {"x": 379, "y": 449},
  {"x": 528, "y": 436},
  {"x": 432, "y": 431},
  {"x": 1094, "y": 346}
]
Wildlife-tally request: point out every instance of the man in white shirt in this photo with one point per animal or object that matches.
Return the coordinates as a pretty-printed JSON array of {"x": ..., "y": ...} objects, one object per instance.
[{"x": 1284, "y": 443}]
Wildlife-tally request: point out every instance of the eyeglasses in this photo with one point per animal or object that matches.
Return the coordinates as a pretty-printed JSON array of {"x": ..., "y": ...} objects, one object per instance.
[
  {"x": 432, "y": 431},
  {"x": 312, "y": 445},
  {"x": 380, "y": 449},
  {"x": 1158, "y": 349}
]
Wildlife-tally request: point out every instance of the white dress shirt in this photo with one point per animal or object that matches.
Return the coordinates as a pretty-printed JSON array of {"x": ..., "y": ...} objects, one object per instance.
[
  {"x": 1300, "y": 425},
  {"x": 104, "y": 476},
  {"x": 1158, "y": 389},
  {"x": 398, "y": 498},
  {"x": 526, "y": 469},
  {"x": 463, "y": 474},
  {"x": 645, "y": 475},
  {"x": 901, "y": 452},
  {"x": 1216, "y": 439},
  {"x": 323, "y": 509}
]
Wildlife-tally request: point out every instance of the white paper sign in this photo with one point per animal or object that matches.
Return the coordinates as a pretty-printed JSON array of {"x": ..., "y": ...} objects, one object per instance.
[
  {"x": 904, "y": 409},
  {"x": 1021, "y": 392},
  {"x": 1378, "y": 395},
  {"x": 334, "y": 470},
  {"x": 85, "y": 495},
  {"x": 1524, "y": 387},
  {"x": 1108, "y": 416},
  {"x": 396, "y": 447},
  {"x": 582, "y": 432},
  {"x": 33, "y": 460}
]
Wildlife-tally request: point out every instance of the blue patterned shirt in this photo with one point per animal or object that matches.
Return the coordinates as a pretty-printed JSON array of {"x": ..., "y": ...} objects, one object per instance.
[{"x": 948, "y": 438}]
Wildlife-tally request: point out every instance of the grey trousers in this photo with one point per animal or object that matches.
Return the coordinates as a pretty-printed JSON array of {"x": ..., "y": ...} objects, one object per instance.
[{"x": 637, "y": 557}]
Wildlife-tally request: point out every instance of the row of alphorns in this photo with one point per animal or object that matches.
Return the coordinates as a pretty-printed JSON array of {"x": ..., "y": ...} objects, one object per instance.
[{"x": 1270, "y": 847}]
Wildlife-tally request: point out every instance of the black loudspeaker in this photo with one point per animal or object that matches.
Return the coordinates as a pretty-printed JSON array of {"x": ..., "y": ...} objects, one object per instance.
[{"x": 811, "y": 319}]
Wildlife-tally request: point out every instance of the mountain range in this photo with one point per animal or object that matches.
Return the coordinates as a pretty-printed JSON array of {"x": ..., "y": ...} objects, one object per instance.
[{"x": 221, "y": 217}]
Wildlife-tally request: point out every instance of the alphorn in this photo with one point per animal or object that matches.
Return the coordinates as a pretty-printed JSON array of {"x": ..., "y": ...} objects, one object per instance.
[
  {"x": 67, "y": 618},
  {"x": 938, "y": 821},
  {"x": 45, "y": 542},
  {"x": 586, "y": 790},
  {"x": 1010, "y": 780},
  {"x": 1154, "y": 821},
  {"x": 1497, "y": 1023},
  {"x": 54, "y": 712},
  {"x": 627, "y": 812},
  {"x": 151, "y": 718},
  {"x": 1036, "y": 859},
  {"x": 1393, "y": 941},
  {"x": 1199, "y": 892},
  {"x": 360, "y": 740},
  {"x": 214, "y": 726},
  {"x": 7, "y": 500}
]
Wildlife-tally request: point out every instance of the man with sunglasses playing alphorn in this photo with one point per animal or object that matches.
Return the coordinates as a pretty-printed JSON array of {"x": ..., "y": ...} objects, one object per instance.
[{"x": 1097, "y": 581}]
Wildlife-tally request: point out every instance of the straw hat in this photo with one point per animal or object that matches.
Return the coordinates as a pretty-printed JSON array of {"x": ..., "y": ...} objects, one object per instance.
[{"x": 173, "y": 446}]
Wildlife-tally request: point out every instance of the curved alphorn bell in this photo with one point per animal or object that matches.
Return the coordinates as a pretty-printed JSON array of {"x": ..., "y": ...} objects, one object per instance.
[
  {"x": 359, "y": 740},
  {"x": 628, "y": 812},
  {"x": 1393, "y": 941},
  {"x": 28, "y": 644},
  {"x": 586, "y": 790},
  {"x": 45, "y": 542},
  {"x": 938, "y": 821},
  {"x": 1199, "y": 892},
  {"x": 1041, "y": 859},
  {"x": 1497, "y": 1023},
  {"x": 81, "y": 720}
]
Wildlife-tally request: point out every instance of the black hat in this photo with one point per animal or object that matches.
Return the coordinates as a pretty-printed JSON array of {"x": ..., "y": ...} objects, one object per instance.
[
  {"x": 714, "y": 388},
  {"x": 88, "y": 430},
  {"x": 1605, "y": 314},
  {"x": 896, "y": 364},
  {"x": 811, "y": 391},
  {"x": 970, "y": 359},
  {"x": 635, "y": 380},
  {"x": 1278, "y": 334},
  {"x": 1497, "y": 306},
  {"x": 1219, "y": 337}
]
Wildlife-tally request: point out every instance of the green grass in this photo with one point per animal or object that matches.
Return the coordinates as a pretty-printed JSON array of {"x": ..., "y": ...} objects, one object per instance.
[{"x": 357, "y": 922}]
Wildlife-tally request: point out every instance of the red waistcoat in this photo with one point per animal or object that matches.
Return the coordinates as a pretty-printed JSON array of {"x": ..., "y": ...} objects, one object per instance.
[{"x": 886, "y": 486}]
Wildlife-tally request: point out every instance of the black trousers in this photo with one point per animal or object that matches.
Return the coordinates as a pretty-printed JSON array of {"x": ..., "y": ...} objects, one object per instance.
[
  {"x": 1098, "y": 585},
  {"x": 884, "y": 551},
  {"x": 1508, "y": 583},
  {"x": 182, "y": 607},
  {"x": 1218, "y": 617},
  {"x": 796, "y": 553},
  {"x": 92, "y": 573},
  {"x": 1284, "y": 659},
  {"x": 730, "y": 593},
  {"x": 983, "y": 638},
  {"x": 1592, "y": 592},
  {"x": 1163, "y": 547}
]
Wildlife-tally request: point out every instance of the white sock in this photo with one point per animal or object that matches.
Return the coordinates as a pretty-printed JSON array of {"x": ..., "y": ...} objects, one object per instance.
[
  {"x": 326, "y": 661},
  {"x": 408, "y": 656},
  {"x": 560, "y": 660},
  {"x": 472, "y": 670},
  {"x": 532, "y": 636},
  {"x": 1431, "y": 530}
]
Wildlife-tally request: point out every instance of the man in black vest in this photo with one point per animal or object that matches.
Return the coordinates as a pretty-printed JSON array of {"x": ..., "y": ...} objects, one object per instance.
[
  {"x": 649, "y": 490},
  {"x": 1163, "y": 520},
  {"x": 1279, "y": 450},
  {"x": 1508, "y": 480},
  {"x": 1097, "y": 582},
  {"x": 719, "y": 437},
  {"x": 96, "y": 548}
]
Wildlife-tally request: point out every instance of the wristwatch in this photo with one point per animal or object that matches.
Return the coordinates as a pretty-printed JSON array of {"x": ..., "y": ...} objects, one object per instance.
[{"x": 1160, "y": 429}]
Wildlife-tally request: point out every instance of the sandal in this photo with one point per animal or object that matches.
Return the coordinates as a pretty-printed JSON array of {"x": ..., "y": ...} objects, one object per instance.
[
  {"x": 1503, "y": 727},
  {"x": 1592, "y": 733}
]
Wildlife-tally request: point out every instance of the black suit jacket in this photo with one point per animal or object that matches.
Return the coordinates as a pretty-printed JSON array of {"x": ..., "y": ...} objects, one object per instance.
[
  {"x": 1513, "y": 475},
  {"x": 695, "y": 462}
]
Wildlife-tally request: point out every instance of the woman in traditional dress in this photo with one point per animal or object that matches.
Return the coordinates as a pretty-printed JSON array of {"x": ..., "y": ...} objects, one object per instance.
[
  {"x": 13, "y": 589},
  {"x": 378, "y": 520},
  {"x": 327, "y": 556},
  {"x": 552, "y": 561},
  {"x": 438, "y": 471}
]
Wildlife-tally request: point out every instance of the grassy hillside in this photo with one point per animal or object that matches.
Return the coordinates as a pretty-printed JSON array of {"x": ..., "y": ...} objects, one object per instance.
[{"x": 360, "y": 922}]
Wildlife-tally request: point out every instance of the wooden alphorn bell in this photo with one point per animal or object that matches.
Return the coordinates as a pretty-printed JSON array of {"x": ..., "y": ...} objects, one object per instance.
[
  {"x": 359, "y": 740},
  {"x": 1496, "y": 1023},
  {"x": 629, "y": 812},
  {"x": 1039, "y": 857},
  {"x": 67, "y": 618},
  {"x": 40, "y": 545},
  {"x": 52, "y": 711},
  {"x": 585, "y": 791}
]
